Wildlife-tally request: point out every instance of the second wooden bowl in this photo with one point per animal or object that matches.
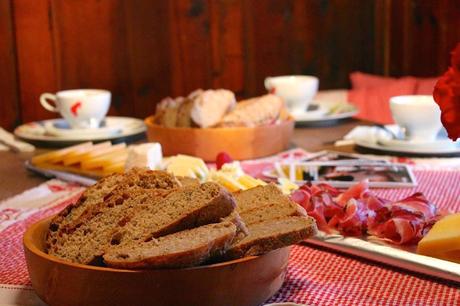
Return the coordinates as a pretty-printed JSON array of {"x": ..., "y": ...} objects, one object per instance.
[
  {"x": 246, "y": 281},
  {"x": 239, "y": 142}
]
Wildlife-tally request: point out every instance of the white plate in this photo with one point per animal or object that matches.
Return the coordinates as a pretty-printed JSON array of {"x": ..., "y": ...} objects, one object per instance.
[
  {"x": 435, "y": 148},
  {"x": 326, "y": 118},
  {"x": 115, "y": 128},
  {"x": 60, "y": 128},
  {"x": 327, "y": 100}
]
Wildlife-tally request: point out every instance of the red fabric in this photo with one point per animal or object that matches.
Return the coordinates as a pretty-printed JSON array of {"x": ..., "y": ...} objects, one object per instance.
[
  {"x": 372, "y": 102},
  {"x": 315, "y": 276},
  {"x": 371, "y": 93},
  {"x": 425, "y": 86}
]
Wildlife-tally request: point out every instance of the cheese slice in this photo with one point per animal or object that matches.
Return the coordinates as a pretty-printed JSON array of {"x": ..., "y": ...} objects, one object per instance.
[
  {"x": 114, "y": 168},
  {"x": 184, "y": 165},
  {"x": 76, "y": 156},
  {"x": 443, "y": 240},
  {"x": 56, "y": 156},
  {"x": 249, "y": 182},
  {"x": 105, "y": 160},
  {"x": 226, "y": 180}
]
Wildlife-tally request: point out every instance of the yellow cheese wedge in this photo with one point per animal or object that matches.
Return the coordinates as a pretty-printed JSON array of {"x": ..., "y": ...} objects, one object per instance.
[
  {"x": 443, "y": 240},
  {"x": 287, "y": 186},
  {"x": 105, "y": 160},
  {"x": 76, "y": 156},
  {"x": 95, "y": 152},
  {"x": 114, "y": 168},
  {"x": 249, "y": 182},
  {"x": 227, "y": 181},
  {"x": 184, "y": 165},
  {"x": 56, "y": 156}
]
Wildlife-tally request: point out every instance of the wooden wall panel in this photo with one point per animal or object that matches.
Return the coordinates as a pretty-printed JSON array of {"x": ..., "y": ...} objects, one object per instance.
[
  {"x": 323, "y": 38},
  {"x": 145, "y": 50},
  {"x": 9, "y": 108},
  {"x": 189, "y": 22},
  {"x": 91, "y": 49},
  {"x": 35, "y": 56},
  {"x": 148, "y": 53},
  {"x": 422, "y": 35},
  {"x": 226, "y": 29}
]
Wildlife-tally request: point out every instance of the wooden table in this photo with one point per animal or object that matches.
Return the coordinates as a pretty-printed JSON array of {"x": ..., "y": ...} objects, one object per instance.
[{"x": 15, "y": 178}]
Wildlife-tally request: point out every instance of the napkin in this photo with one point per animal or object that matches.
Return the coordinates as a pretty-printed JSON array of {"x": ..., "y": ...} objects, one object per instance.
[
  {"x": 7, "y": 139},
  {"x": 371, "y": 93},
  {"x": 369, "y": 134}
]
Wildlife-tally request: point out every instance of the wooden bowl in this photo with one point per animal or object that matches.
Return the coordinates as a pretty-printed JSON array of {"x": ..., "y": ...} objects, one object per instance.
[
  {"x": 239, "y": 142},
  {"x": 246, "y": 281}
]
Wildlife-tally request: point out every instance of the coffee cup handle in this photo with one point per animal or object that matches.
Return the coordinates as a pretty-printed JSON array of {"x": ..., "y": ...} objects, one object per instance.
[{"x": 44, "y": 102}]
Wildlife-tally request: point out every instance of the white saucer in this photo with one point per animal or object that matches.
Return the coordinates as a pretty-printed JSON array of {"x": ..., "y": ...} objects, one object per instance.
[
  {"x": 323, "y": 115},
  {"x": 439, "y": 147},
  {"x": 60, "y": 128},
  {"x": 333, "y": 105},
  {"x": 317, "y": 113},
  {"x": 54, "y": 131}
]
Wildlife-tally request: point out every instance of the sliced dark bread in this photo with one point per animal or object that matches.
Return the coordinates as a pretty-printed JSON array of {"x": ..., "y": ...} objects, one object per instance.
[
  {"x": 182, "y": 249},
  {"x": 95, "y": 197},
  {"x": 188, "y": 207},
  {"x": 265, "y": 202},
  {"x": 139, "y": 215},
  {"x": 272, "y": 221},
  {"x": 272, "y": 234}
]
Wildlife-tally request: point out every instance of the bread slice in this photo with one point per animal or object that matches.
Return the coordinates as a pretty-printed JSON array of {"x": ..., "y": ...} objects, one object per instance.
[
  {"x": 272, "y": 221},
  {"x": 254, "y": 112},
  {"x": 185, "y": 208},
  {"x": 95, "y": 196},
  {"x": 272, "y": 234},
  {"x": 183, "y": 114},
  {"x": 210, "y": 106},
  {"x": 183, "y": 249},
  {"x": 140, "y": 215},
  {"x": 265, "y": 202}
]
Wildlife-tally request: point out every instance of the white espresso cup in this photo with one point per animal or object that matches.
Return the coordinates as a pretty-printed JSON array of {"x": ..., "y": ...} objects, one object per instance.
[
  {"x": 296, "y": 90},
  {"x": 418, "y": 115},
  {"x": 81, "y": 108}
]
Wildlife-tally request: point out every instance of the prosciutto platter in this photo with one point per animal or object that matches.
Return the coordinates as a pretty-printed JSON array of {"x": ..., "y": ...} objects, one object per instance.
[{"x": 358, "y": 222}]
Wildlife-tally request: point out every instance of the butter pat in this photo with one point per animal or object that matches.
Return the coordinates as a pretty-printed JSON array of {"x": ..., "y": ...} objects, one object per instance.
[
  {"x": 144, "y": 155},
  {"x": 443, "y": 240}
]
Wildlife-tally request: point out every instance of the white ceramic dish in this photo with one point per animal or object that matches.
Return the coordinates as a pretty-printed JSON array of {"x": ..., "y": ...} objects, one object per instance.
[
  {"x": 53, "y": 131},
  {"x": 325, "y": 111},
  {"x": 440, "y": 147}
]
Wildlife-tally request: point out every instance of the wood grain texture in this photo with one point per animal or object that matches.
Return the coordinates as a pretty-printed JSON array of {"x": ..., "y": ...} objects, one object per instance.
[
  {"x": 145, "y": 50},
  {"x": 9, "y": 108},
  {"x": 247, "y": 281},
  {"x": 35, "y": 56}
]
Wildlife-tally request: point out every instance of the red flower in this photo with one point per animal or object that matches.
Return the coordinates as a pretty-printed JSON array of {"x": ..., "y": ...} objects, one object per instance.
[{"x": 447, "y": 95}]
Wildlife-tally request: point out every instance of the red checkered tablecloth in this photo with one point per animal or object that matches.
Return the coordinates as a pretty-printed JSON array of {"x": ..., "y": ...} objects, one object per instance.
[{"x": 315, "y": 276}]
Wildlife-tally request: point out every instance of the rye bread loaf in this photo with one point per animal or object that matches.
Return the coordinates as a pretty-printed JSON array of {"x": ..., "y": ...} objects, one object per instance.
[
  {"x": 182, "y": 249},
  {"x": 265, "y": 202},
  {"x": 272, "y": 219},
  {"x": 272, "y": 234},
  {"x": 140, "y": 214},
  {"x": 95, "y": 196},
  {"x": 186, "y": 208}
]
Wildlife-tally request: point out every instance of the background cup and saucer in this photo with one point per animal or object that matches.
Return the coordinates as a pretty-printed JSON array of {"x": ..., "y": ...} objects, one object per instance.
[
  {"x": 298, "y": 92},
  {"x": 418, "y": 119},
  {"x": 81, "y": 108},
  {"x": 83, "y": 112}
]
